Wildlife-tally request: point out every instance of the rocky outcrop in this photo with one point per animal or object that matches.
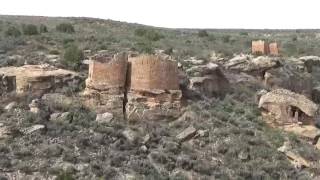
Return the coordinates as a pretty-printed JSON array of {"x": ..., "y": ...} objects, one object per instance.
[
  {"x": 291, "y": 112},
  {"x": 289, "y": 98},
  {"x": 310, "y": 62},
  {"x": 38, "y": 79},
  {"x": 7, "y": 83},
  {"x": 153, "y": 89},
  {"x": 287, "y": 107},
  {"x": 34, "y": 106},
  {"x": 249, "y": 64},
  {"x": 292, "y": 74},
  {"x": 208, "y": 80},
  {"x": 316, "y": 94},
  {"x": 106, "y": 83},
  {"x": 274, "y": 72}
]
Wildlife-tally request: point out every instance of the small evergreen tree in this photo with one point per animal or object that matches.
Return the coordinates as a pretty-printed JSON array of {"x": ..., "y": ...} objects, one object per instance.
[
  {"x": 12, "y": 31},
  {"x": 73, "y": 56},
  {"x": 65, "y": 28},
  {"x": 43, "y": 28},
  {"x": 29, "y": 29},
  {"x": 203, "y": 33}
]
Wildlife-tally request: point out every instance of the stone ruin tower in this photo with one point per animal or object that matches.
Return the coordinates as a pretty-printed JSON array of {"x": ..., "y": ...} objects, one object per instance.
[
  {"x": 261, "y": 47},
  {"x": 106, "y": 83},
  {"x": 153, "y": 88},
  {"x": 273, "y": 49}
]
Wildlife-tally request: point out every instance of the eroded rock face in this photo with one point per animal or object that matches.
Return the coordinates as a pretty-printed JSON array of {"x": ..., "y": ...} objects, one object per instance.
[
  {"x": 249, "y": 64},
  {"x": 37, "y": 79},
  {"x": 210, "y": 81},
  {"x": 289, "y": 107},
  {"x": 7, "y": 83},
  {"x": 292, "y": 74},
  {"x": 105, "y": 86},
  {"x": 153, "y": 91},
  {"x": 291, "y": 111}
]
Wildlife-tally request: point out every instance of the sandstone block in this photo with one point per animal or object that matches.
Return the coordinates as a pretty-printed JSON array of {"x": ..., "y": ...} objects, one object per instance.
[{"x": 187, "y": 134}]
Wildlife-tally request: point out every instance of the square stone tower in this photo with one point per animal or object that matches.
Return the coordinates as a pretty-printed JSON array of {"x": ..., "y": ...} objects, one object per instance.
[
  {"x": 273, "y": 49},
  {"x": 260, "y": 47}
]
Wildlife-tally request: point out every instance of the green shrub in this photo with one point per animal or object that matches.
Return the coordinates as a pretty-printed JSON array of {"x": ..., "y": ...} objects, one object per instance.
[
  {"x": 143, "y": 47},
  {"x": 168, "y": 51},
  {"x": 149, "y": 34},
  {"x": 54, "y": 52},
  {"x": 65, "y": 28},
  {"x": 29, "y": 29},
  {"x": 226, "y": 38},
  {"x": 67, "y": 41},
  {"x": 12, "y": 31},
  {"x": 63, "y": 175},
  {"x": 140, "y": 32},
  {"x": 153, "y": 35},
  {"x": 43, "y": 28},
  {"x": 203, "y": 33},
  {"x": 211, "y": 37},
  {"x": 73, "y": 56},
  {"x": 244, "y": 33}
]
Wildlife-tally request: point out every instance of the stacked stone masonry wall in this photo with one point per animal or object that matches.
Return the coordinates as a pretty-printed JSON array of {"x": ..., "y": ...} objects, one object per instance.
[
  {"x": 273, "y": 49},
  {"x": 153, "y": 73},
  {"x": 109, "y": 74},
  {"x": 263, "y": 48},
  {"x": 147, "y": 89},
  {"x": 259, "y": 47}
]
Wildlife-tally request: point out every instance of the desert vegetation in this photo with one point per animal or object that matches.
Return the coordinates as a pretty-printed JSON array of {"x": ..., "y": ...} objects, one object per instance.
[{"x": 229, "y": 139}]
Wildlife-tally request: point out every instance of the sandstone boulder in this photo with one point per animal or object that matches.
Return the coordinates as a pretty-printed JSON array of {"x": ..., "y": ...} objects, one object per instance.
[
  {"x": 34, "y": 106},
  {"x": 310, "y": 62},
  {"x": 207, "y": 80},
  {"x": 4, "y": 132},
  {"x": 59, "y": 117},
  {"x": 57, "y": 100},
  {"x": 130, "y": 135},
  {"x": 33, "y": 129},
  {"x": 187, "y": 133},
  {"x": 291, "y": 74},
  {"x": 246, "y": 63},
  {"x": 104, "y": 118},
  {"x": 10, "y": 106},
  {"x": 293, "y": 157}
]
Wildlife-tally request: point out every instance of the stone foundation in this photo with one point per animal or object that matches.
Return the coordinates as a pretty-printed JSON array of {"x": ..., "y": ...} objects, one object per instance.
[{"x": 146, "y": 105}]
